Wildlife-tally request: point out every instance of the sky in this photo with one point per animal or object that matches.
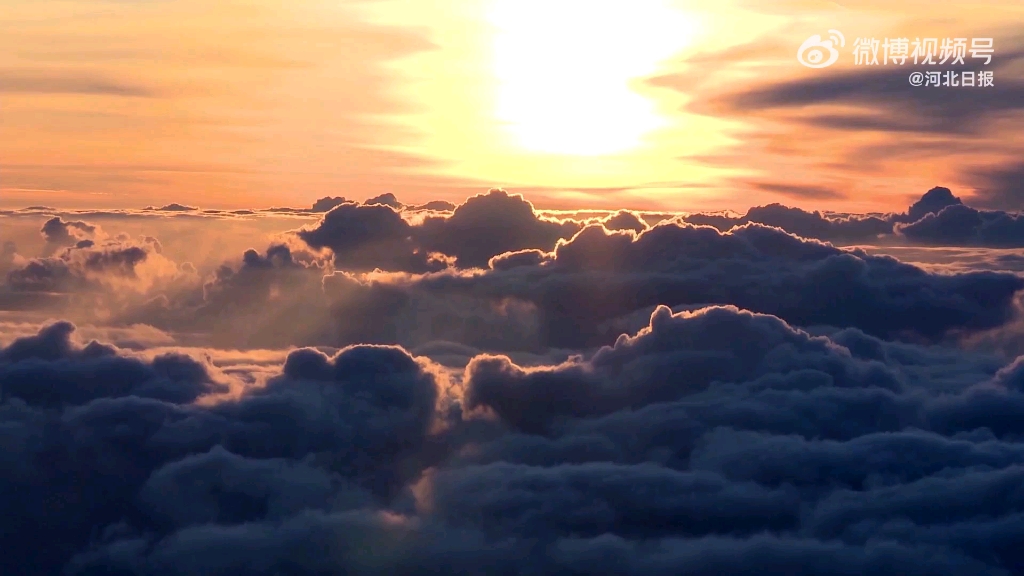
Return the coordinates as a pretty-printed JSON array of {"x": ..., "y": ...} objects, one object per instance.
[
  {"x": 654, "y": 104},
  {"x": 510, "y": 288}
]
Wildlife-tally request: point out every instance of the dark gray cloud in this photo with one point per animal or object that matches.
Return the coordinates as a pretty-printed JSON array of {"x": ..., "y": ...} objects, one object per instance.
[
  {"x": 173, "y": 207},
  {"x": 490, "y": 224},
  {"x": 97, "y": 445},
  {"x": 938, "y": 218},
  {"x": 599, "y": 275},
  {"x": 60, "y": 233},
  {"x": 704, "y": 351},
  {"x": 890, "y": 102},
  {"x": 709, "y": 440},
  {"x": 387, "y": 199},
  {"x": 320, "y": 206},
  {"x": 48, "y": 370},
  {"x": 999, "y": 188},
  {"x": 581, "y": 294},
  {"x": 326, "y": 203},
  {"x": 626, "y": 220},
  {"x": 838, "y": 229},
  {"x": 960, "y": 225},
  {"x": 363, "y": 237},
  {"x": 375, "y": 235},
  {"x": 933, "y": 201},
  {"x": 437, "y": 206},
  {"x": 715, "y": 442}
]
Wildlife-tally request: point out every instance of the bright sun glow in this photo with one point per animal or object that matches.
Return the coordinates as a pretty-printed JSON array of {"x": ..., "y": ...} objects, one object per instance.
[{"x": 564, "y": 69}]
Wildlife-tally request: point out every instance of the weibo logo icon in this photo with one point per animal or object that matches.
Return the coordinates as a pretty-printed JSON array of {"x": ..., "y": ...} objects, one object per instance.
[{"x": 812, "y": 53}]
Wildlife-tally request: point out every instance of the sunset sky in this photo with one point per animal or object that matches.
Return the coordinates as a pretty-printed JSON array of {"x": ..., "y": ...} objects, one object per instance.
[
  {"x": 666, "y": 104},
  {"x": 511, "y": 288}
]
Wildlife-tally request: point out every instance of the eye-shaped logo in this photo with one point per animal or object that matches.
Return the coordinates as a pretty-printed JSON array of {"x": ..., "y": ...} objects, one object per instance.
[{"x": 812, "y": 51}]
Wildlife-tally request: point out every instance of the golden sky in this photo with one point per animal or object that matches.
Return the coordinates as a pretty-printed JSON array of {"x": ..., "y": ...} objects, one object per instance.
[{"x": 648, "y": 104}]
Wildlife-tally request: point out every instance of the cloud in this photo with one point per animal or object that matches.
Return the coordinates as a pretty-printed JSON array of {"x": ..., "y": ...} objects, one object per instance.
[
  {"x": 326, "y": 203},
  {"x": 373, "y": 235},
  {"x": 37, "y": 82},
  {"x": 839, "y": 129},
  {"x": 888, "y": 102},
  {"x": 286, "y": 297},
  {"x": 960, "y": 225},
  {"x": 363, "y": 237},
  {"x": 174, "y": 207},
  {"x": 123, "y": 451},
  {"x": 387, "y": 199},
  {"x": 490, "y": 224},
  {"x": 89, "y": 266},
  {"x": 8, "y": 254},
  {"x": 954, "y": 259},
  {"x": 149, "y": 213},
  {"x": 581, "y": 288},
  {"x": 595, "y": 498},
  {"x": 932, "y": 202},
  {"x": 59, "y": 233},
  {"x": 938, "y": 218},
  {"x": 437, "y": 206},
  {"x": 600, "y": 275},
  {"x": 644, "y": 370},
  {"x": 713, "y": 442},
  {"x": 999, "y": 187},
  {"x": 799, "y": 190},
  {"x": 832, "y": 412},
  {"x": 49, "y": 370},
  {"x": 94, "y": 280},
  {"x": 626, "y": 220},
  {"x": 840, "y": 229},
  {"x": 244, "y": 302},
  {"x": 580, "y": 294}
]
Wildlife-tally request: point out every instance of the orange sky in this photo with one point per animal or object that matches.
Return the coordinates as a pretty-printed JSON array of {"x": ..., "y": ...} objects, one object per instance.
[{"x": 649, "y": 104}]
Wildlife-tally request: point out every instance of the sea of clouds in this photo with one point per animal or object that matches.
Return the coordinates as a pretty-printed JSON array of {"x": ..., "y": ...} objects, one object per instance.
[{"x": 486, "y": 388}]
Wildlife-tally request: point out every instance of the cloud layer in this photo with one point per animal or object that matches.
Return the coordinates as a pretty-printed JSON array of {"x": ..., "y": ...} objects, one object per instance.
[
  {"x": 649, "y": 455},
  {"x": 481, "y": 389}
]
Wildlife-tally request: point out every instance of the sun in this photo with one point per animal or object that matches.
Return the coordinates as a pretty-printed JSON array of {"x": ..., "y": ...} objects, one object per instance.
[{"x": 564, "y": 70}]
